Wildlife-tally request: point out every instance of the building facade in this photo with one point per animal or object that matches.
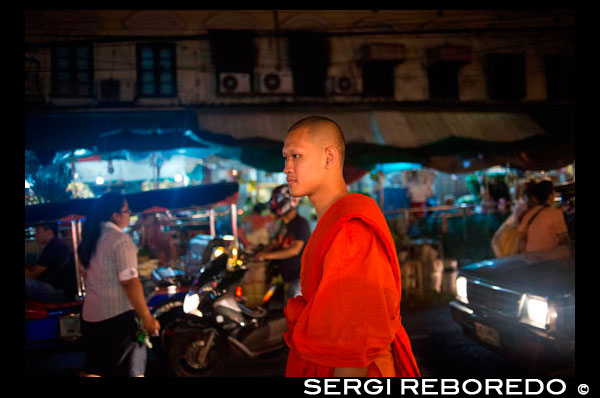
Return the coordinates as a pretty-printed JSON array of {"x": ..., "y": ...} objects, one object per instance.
[{"x": 141, "y": 58}]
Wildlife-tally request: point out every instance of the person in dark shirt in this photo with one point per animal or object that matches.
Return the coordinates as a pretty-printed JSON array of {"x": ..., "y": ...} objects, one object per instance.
[
  {"x": 288, "y": 244},
  {"x": 53, "y": 278}
]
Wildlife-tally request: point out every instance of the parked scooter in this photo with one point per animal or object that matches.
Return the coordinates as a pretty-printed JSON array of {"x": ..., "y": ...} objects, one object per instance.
[
  {"x": 202, "y": 250},
  {"x": 218, "y": 325}
]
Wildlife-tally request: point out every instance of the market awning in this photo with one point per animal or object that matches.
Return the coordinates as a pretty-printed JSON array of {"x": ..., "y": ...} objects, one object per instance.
[
  {"x": 73, "y": 129},
  {"x": 452, "y": 141},
  {"x": 398, "y": 128},
  {"x": 448, "y": 140}
]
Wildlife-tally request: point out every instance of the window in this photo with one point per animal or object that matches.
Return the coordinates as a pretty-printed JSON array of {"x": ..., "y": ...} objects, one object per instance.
[
  {"x": 156, "y": 70},
  {"x": 378, "y": 78},
  {"x": 560, "y": 77},
  {"x": 505, "y": 76},
  {"x": 33, "y": 89},
  {"x": 443, "y": 81},
  {"x": 72, "y": 71},
  {"x": 234, "y": 55},
  {"x": 309, "y": 59}
]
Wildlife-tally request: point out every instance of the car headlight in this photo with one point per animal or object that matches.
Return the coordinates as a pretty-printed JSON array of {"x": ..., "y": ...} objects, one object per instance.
[
  {"x": 534, "y": 311},
  {"x": 461, "y": 289}
]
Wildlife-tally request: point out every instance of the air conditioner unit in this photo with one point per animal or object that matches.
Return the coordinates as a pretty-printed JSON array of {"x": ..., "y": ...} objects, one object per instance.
[
  {"x": 115, "y": 90},
  {"x": 275, "y": 82},
  {"x": 110, "y": 90},
  {"x": 234, "y": 83},
  {"x": 343, "y": 85}
]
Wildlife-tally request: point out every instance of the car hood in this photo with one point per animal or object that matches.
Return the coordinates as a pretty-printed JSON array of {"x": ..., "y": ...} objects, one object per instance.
[{"x": 549, "y": 273}]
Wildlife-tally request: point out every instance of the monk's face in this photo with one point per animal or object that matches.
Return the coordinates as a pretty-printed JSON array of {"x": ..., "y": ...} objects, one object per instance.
[{"x": 305, "y": 161}]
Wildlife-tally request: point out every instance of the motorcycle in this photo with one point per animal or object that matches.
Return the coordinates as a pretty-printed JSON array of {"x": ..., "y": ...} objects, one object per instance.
[
  {"x": 169, "y": 311},
  {"x": 218, "y": 326}
]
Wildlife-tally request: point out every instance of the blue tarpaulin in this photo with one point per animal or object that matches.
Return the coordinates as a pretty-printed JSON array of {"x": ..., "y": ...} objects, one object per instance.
[
  {"x": 66, "y": 130},
  {"x": 174, "y": 198}
]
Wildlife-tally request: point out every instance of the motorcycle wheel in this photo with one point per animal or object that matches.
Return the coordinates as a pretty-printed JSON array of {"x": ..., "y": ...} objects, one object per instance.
[
  {"x": 185, "y": 348},
  {"x": 168, "y": 322}
]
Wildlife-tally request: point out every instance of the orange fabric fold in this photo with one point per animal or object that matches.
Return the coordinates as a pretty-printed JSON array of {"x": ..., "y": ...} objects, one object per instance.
[{"x": 349, "y": 311}]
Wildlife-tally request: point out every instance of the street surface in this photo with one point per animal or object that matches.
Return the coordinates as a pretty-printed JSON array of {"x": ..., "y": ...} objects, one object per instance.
[{"x": 439, "y": 346}]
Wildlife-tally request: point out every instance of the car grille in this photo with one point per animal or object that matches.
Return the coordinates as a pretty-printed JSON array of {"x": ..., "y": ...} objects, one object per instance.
[{"x": 498, "y": 300}]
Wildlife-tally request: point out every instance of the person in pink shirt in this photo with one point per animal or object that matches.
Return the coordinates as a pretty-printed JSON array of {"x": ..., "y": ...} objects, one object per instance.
[{"x": 542, "y": 227}]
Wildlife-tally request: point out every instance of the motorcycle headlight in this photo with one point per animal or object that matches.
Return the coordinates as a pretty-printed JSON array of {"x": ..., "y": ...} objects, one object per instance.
[
  {"x": 534, "y": 311},
  {"x": 191, "y": 302},
  {"x": 461, "y": 289},
  {"x": 217, "y": 251}
]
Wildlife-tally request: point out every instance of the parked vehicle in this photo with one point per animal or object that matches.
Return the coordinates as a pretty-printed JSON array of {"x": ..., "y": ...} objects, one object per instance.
[
  {"x": 168, "y": 311},
  {"x": 218, "y": 326},
  {"x": 51, "y": 324},
  {"x": 522, "y": 306}
]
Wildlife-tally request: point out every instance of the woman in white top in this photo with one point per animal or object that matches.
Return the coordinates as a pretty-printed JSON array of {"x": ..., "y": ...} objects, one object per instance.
[
  {"x": 543, "y": 227},
  {"x": 114, "y": 294}
]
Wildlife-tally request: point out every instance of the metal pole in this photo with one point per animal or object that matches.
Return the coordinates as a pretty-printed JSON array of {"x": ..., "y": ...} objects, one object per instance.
[
  {"x": 81, "y": 278},
  {"x": 211, "y": 218},
  {"x": 154, "y": 171},
  {"x": 73, "y": 175},
  {"x": 75, "y": 238},
  {"x": 234, "y": 222}
]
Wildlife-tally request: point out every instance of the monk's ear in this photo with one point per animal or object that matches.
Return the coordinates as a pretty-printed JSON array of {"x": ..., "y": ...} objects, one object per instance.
[{"x": 331, "y": 156}]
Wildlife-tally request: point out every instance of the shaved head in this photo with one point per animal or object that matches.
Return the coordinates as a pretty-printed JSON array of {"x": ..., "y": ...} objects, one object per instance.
[{"x": 324, "y": 132}]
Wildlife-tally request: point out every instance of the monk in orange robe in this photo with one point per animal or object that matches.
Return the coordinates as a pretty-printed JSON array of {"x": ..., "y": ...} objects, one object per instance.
[{"x": 347, "y": 322}]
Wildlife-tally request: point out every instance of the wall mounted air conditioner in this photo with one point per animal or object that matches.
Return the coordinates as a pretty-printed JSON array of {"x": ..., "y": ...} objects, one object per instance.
[
  {"x": 275, "y": 82},
  {"x": 112, "y": 90},
  {"x": 343, "y": 85},
  {"x": 234, "y": 83}
]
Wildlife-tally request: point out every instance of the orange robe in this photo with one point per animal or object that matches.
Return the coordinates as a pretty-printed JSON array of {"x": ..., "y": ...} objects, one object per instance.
[{"x": 349, "y": 312}]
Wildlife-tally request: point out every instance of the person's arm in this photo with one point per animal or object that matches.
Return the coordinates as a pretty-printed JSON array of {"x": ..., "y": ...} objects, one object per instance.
[
  {"x": 126, "y": 259},
  {"x": 271, "y": 246},
  {"x": 34, "y": 271},
  {"x": 357, "y": 300},
  {"x": 350, "y": 372},
  {"x": 293, "y": 250},
  {"x": 135, "y": 294}
]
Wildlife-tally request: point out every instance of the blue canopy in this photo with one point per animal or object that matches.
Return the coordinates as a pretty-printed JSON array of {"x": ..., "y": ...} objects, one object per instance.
[
  {"x": 107, "y": 130},
  {"x": 174, "y": 198}
]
